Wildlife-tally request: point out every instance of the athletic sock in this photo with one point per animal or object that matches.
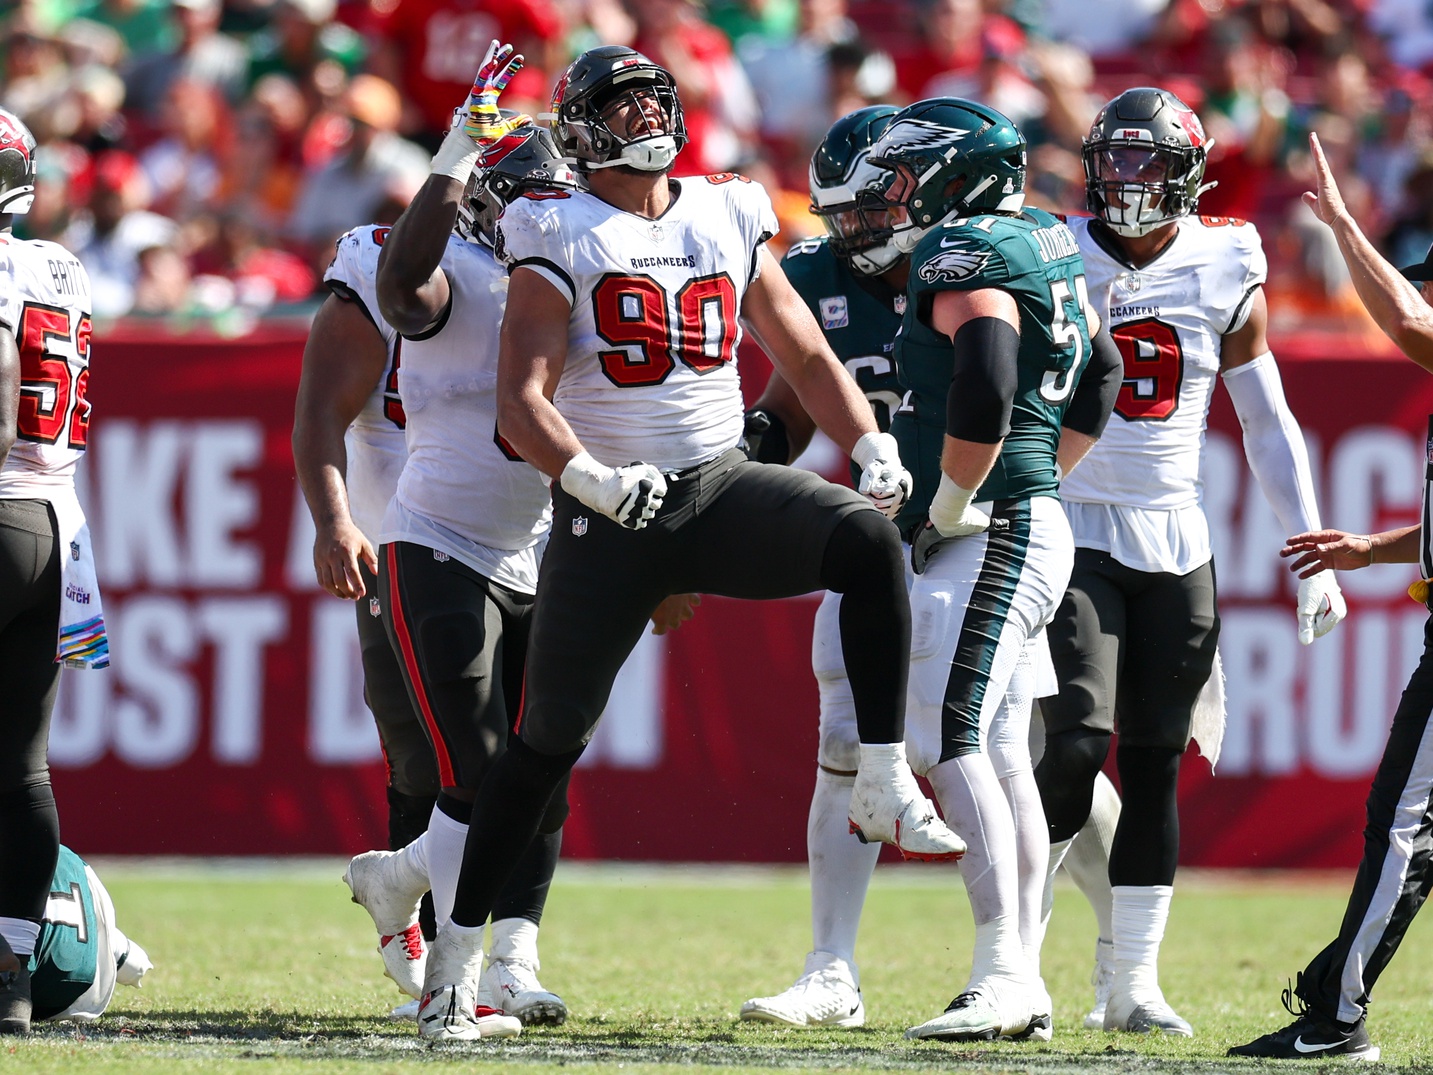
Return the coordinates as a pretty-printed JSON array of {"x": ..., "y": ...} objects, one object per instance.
[
  {"x": 1032, "y": 853},
  {"x": 1088, "y": 862},
  {"x": 1139, "y": 916},
  {"x": 444, "y": 843},
  {"x": 1059, "y": 850},
  {"x": 515, "y": 938},
  {"x": 20, "y": 934},
  {"x": 841, "y": 867}
]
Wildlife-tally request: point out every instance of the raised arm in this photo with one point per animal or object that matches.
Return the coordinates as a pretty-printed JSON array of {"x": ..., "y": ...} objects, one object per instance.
[
  {"x": 1393, "y": 302},
  {"x": 343, "y": 360}
]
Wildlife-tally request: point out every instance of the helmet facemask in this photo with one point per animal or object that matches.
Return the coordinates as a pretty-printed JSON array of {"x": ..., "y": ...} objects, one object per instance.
[
  {"x": 635, "y": 120},
  {"x": 1135, "y": 187},
  {"x": 843, "y": 184}
]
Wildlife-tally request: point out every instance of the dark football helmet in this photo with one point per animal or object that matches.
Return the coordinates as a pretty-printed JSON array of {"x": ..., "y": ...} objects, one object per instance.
[
  {"x": 609, "y": 84},
  {"x": 859, "y": 229},
  {"x": 17, "y": 164},
  {"x": 524, "y": 160},
  {"x": 1144, "y": 161},
  {"x": 948, "y": 157}
]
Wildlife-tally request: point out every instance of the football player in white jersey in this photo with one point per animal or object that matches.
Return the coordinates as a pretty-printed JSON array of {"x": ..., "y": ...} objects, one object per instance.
[
  {"x": 618, "y": 344},
  {"x": 460, "y": 545},
  {"x": 1137, "y": 629},
  {"x": 49, "y": 601},
  {"x": 348, "y": 453}
]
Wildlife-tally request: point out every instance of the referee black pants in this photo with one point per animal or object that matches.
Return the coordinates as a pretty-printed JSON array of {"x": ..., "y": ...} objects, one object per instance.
[{"x": 1396, "y": 872}]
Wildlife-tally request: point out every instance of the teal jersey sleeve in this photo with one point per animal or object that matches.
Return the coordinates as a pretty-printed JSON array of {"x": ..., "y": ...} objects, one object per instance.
[
  {"x": 66, "y": 956},
  {"x": 1033, "y": 257}
]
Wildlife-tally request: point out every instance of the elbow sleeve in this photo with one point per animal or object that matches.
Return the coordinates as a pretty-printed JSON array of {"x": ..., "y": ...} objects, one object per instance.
[
  {"x": 982, "y": 386},
  {"x": 1098, "y": 387}
]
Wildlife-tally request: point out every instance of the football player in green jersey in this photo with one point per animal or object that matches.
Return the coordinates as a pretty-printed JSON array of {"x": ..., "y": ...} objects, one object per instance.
[
  {"x": 853, "y": 280},
  {"x": 80, "y": 954},
  {"x": 1009, "y": 385}
]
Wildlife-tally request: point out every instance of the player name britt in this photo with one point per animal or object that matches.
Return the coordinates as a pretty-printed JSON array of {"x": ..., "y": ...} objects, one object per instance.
[{"x": 679, "y": 261}]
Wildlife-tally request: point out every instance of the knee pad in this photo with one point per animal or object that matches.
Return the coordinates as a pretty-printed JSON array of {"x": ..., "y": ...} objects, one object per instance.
[
  {"x": 1066, "y": 778},
  {"x": 865, "y": 550}
]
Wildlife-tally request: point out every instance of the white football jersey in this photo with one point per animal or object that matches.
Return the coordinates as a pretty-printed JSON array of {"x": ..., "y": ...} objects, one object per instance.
[
  {"x": 374, "y": 441},
  {"x": 463, "y": 491},
  {"x": 45, "y": 304},
  {"x": 651, "y": 363},
  {"x": 1141, "y": 480}
]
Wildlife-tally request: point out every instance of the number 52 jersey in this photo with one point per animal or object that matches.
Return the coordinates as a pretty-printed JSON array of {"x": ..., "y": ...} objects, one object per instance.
[
  {"x": 651, "y": 363},
  {"x": 45, "y": 303}
]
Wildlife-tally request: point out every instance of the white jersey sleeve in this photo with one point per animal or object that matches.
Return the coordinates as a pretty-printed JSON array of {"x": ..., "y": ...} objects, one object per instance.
[
  {"x": 650, "y": 372},
  {"x": 374, "y": 441}
]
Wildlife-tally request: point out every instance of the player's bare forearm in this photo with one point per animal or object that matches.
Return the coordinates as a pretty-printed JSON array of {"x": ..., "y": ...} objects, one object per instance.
[
  {"x": 1074, "y": 446},
  {"x": 412, "y": 290},
  {"x": 1393, "y": 303},
  {"x": 343, "y": 359},
  {"x": 780, "y": 399},
  {"x": 787, "y": 332},
  {"x": 531, "y": 357},
  {"x": 9, "y": 393},
  {"x": 968, "y": 463}
]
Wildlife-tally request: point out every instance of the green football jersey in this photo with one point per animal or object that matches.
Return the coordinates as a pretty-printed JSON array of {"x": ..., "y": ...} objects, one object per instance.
[
  {"x": 65, "y": 961},
  {"x": 859, "y": 316},
  {"x": 1033, "y": 257}
]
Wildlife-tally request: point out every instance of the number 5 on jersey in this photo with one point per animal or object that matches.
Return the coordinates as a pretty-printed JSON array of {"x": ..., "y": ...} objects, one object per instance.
[{"x": 54, "y": 375}]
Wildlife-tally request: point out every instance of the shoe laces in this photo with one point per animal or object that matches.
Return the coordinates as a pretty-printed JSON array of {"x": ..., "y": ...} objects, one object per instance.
[{"x": 412, "y": 941}]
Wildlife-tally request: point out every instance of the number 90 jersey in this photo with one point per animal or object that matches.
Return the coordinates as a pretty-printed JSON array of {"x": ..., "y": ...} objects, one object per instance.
[
  {"x": 1032, "y": 257},
  {"x": 45, "y": 304},
  {"x": 1168, "y": 318},
  {"x": 651, "y": 369}
]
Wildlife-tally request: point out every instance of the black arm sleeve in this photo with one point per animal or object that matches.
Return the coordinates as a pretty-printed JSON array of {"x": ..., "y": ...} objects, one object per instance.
[
  {"x": 1099, "y": 384},
  {"x": 982, "y": 389}
]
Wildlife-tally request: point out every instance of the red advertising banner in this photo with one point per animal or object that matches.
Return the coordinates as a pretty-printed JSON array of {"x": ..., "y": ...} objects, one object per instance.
[{"x": 232, "y": 722}]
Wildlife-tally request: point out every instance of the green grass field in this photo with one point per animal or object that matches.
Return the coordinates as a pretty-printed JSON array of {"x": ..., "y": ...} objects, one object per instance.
[{"x": 270, "y": 964}]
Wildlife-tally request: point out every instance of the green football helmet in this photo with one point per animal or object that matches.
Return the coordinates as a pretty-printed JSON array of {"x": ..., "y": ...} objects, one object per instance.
[
  {"x": 859, "y": 231},
  {"x": 948, "y": 157}
]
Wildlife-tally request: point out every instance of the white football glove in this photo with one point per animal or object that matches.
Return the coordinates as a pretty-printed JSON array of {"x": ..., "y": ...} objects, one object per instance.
[
  {"x": 630, "y": 495},
  {"x": 884, "y": 481},
  {"x": 1321, "y": 606}
]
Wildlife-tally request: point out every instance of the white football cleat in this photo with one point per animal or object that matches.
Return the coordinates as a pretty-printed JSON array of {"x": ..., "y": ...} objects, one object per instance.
[
  {"x": 992, "y": 1008},
  {"x": 452, "y": 1013},
  {"x": 826, "y": 995},
  {"x": 1103, "y": 979},
  {"x": 390, "y": 893},
  {"x": 1146, "y": 1013},
  {"x": 406, "y": 1013},
  {"x": 1042, "y": 1021},
  {"x": 895, "y": 812},
  {"x": 134, "y": 967},
  {"x": 511, "y": 985}
]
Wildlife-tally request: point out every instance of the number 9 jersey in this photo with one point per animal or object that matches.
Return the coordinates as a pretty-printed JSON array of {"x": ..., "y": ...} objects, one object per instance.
[
  {"x": 45, "y": 304},
  {"x": 650, "y": 372}
]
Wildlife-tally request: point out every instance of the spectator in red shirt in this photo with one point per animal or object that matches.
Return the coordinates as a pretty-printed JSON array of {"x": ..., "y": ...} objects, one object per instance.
[
  {"x": 430, "y": 50},
  {"x": 952, "y": 37}
]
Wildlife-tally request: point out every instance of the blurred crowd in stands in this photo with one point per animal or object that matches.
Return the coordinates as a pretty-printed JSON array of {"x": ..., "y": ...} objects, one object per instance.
[{"x": 201, "y": 156}]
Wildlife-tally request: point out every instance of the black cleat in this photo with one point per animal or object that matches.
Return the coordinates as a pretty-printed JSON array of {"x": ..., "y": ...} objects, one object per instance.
[
  {"x": 14, "y": 992},
  {"x": 1311, "y": 1036}
]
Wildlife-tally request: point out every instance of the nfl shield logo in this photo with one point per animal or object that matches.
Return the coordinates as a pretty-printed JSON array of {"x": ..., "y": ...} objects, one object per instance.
[
  {"x": 579, "y": 526},
  {"x": 1130, "y": 282},
  {"x": 373, "y": 607},
  {"x": 656, "y": 232},
  {"x": 74, "y": 550},
  {"x": 833, "y": 312},
  {"x": 900, "y": 304}
]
